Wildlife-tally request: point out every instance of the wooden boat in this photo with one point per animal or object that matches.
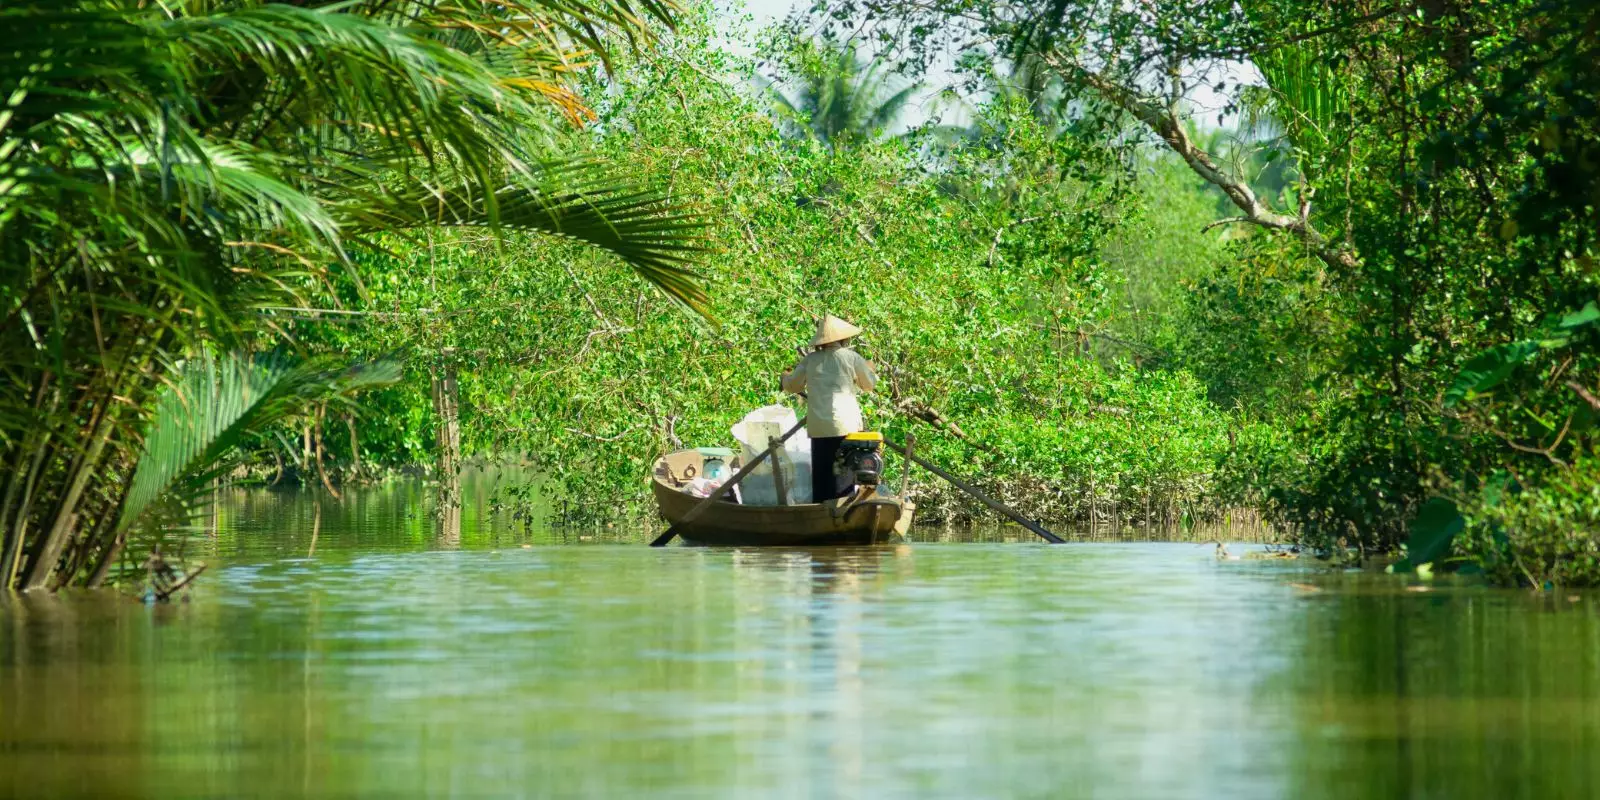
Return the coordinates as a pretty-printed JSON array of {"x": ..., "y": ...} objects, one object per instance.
[{"x": 869, "y": 517}]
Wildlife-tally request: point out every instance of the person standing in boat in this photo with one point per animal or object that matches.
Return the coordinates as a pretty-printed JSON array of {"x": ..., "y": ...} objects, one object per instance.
[{"x": 831, "y": 375}]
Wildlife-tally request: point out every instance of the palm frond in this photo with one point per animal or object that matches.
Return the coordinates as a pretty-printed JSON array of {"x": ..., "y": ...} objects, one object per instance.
[
  {"x": 1260, "y": 113},
  {"x": 838, "y": 96},
  {"x": 591, "y": 25},
  {"x": 391, "y": 85},
  {"x": 581, "y": 201},
  {"x": 785, "y": 106},
  {"x": 889, "y": 110},
  {"x": 1306, "y": 95},
  {"x": 215, "y": 402}
]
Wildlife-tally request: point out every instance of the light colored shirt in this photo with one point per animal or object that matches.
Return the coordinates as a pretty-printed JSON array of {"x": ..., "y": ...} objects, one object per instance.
[{"x": 831, "y": 378}]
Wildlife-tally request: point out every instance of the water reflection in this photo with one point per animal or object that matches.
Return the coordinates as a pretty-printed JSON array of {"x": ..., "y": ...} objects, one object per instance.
[
  {"x": 828, "y": 569},
  {"x": 822, "y": 641},
  {"x": 346, "y": 651}
]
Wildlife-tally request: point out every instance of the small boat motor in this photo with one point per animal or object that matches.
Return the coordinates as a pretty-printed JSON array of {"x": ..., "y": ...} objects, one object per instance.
[{"x": 860, "y": 455}]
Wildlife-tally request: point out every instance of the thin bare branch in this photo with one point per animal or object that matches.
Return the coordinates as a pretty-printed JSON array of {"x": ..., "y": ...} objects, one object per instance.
[
  {"x": 598, "y": 438},
  {"x": 1224, "y": 221},
  {"x": 1588, "y": 397}
]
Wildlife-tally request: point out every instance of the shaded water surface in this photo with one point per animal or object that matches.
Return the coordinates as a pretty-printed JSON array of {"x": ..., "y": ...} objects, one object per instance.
[{"x": 375, "y": 659}]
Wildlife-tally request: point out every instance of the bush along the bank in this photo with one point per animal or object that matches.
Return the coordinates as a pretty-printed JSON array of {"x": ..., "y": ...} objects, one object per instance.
[
  {"x": 1535, "y": 519},
  {"x": 1545, "y": 535}
]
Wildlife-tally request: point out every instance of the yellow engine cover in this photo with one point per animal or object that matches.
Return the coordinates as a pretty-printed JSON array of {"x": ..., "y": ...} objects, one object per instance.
[{"x": 864, "y": 436}]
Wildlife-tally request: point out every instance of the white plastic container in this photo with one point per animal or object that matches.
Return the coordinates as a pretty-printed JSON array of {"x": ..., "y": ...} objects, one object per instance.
[{"x": 755, "y": 432}]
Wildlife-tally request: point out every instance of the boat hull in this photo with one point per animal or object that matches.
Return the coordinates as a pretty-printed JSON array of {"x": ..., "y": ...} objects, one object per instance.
[{"x": 868, "y": 518}]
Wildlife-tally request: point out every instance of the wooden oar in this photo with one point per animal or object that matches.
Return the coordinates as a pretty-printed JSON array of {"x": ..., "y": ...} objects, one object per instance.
[
  {"x": 726, "y": 487},
  {"x": 1043, "y": 532},
  {"x": 985, "y": 499}
]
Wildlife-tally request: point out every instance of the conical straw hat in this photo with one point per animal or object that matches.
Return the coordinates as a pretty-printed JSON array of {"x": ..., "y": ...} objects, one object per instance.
[{"x": 832, "y": 329}]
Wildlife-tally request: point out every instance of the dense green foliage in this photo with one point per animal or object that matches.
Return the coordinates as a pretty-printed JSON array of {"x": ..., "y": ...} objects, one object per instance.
[
  {"x": 1417, "y": 192},
  {"x": 1051, "y": 291},
  {"x": 980, "y": 284},
  {"x": 1548, "y": 533}
]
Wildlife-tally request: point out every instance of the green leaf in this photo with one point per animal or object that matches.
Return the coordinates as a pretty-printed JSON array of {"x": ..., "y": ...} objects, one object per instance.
[
  {"x": 1432, "y": 531},
  {"x": 1487, "y": 369},
  {"x": 1577, "y": 319},
  {"x": 1495, "y": 488}
]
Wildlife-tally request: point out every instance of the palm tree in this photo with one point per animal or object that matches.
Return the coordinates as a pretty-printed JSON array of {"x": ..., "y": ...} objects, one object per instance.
[
  {"x": 1025, "y": 86},
  {"x": 1289, "y": 123},
  {"x": 169, "y": 170},
  {"x": 840, "y": 98},
  {"x": 1303, "y": 101}
]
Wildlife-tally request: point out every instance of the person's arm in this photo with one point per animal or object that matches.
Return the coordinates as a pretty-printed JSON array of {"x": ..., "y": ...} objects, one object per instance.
[
  {"x": 866, "y": 379},
  {"x": 794, "y": 381}
]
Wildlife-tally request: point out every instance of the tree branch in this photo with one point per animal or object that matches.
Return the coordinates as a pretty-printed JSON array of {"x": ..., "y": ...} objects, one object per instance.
[
  {"x": 1000, "y": 231},
  {"x": 593, "y": 306},
  {"x": 1164, "y": 121},
  {"x": 599, "y": 438},
  {"x": 1224, "y": 221},
  {"x": 1588, "y": 397}
]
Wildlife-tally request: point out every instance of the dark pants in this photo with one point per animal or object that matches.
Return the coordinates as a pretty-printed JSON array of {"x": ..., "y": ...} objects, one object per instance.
[{"x": 825, "y": 484}]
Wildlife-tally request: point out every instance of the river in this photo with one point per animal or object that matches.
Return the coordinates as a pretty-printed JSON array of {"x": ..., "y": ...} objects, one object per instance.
[{"x": 345, "y": 649}]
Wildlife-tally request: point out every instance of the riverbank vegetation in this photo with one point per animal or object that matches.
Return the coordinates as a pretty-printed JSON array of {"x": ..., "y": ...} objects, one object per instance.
[
  {"x": 1332, "y": 264},
  {"x": 176, "y": 177},
  {"x": 1418, "y": 298}
]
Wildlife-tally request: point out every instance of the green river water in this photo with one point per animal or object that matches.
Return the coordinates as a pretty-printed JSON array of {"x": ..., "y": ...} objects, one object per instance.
[{"x": 353, "y": 651}]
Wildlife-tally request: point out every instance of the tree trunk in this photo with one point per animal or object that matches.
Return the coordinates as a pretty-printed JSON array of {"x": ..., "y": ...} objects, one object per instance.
[
  {"x": 322, "y": 471},
  {"x": 19, "y": 526},
  {"x": 14, "y": 481},
  {"x": 446, "y": 406},
  {"x": 16, "y": 501},
  {"x": 355, "y": 446},
  {"x": 42, "y": 561},
  {"x": 103, "y": 568},
  {"x": 19, "y": 493},
  {"x": 78, "y": 557},
  {"x": 1094, "y": 507}
]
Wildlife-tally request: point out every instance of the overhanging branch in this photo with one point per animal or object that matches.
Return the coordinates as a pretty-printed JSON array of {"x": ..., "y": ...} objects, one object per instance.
[{"x": 1163, "y": 119}]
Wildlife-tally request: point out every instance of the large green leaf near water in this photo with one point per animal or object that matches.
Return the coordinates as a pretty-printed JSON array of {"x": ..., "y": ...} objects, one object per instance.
[
  {"x": 1489, "y": 368},
  {"x": 1587, "y": 315},
  {"x": 216, "y": 402},
  {"x": 1432, "y": 532}
]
